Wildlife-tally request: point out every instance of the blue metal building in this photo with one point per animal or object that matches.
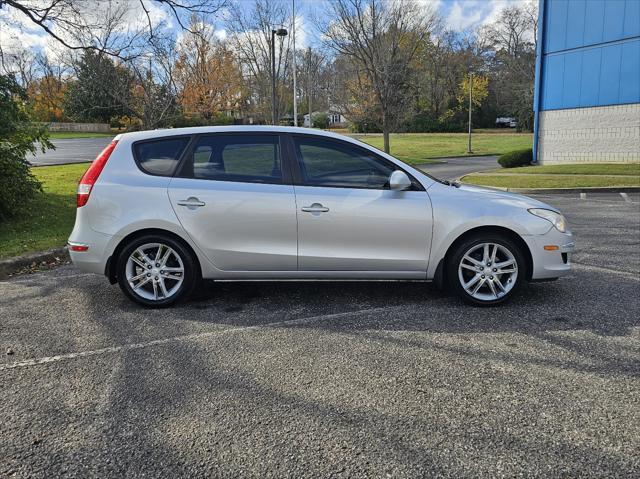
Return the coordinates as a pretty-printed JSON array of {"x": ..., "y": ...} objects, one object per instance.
[{"x": 587, "y": 86}]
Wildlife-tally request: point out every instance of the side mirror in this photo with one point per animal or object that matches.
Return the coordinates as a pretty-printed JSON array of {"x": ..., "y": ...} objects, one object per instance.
[{"x": 399, "y": 181}]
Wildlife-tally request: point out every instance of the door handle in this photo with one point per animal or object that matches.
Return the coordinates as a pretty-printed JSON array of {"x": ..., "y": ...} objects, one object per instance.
[
  {"x": 315, "y": 208},
  {"x": 192, "y": 203}
]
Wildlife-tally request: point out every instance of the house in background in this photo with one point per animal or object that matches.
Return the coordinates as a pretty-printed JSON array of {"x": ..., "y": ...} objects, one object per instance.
[
  {"x": 587, "y": 86},
  {"x": 336, "y": 119}
]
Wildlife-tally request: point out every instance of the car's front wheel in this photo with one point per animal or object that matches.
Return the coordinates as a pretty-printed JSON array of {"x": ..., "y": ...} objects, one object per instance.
[
  {"x": 156, "y": 271},
  {"x": 487, "y": 269}
]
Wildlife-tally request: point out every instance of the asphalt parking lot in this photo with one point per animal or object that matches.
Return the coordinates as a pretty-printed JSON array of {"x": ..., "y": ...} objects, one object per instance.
[
  {"x": 70, "y": 150},
  {"x": 305, "y": 379}
]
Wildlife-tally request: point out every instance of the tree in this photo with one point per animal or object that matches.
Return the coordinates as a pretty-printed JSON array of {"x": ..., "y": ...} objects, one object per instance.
[
  {"x": 513, "y": 37},
  {"x": 250, "y": 38},
  {"x": 18, "y": 136},
  {"x": 382, "y": 38},
  {"x": 314, "y": 75},
  {"x": 207, "y": 74},
  {"x": 102, "y": 89},
  {"x": 119, "y": 29},
  {"x": 21, "y": 64},
  {"x": 47, "y": 95},
  {"x": 354, "y": 95},
  {"x": 478, "y": 86},
  {"x": 154, "y": 98}
]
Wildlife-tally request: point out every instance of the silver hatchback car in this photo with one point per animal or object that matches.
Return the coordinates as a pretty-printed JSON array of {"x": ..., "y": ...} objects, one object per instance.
[{"x": 159, "y": 210}]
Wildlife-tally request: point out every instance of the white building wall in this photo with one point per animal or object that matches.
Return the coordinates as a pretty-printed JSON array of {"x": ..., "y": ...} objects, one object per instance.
[{"x": 590, "y": 135}]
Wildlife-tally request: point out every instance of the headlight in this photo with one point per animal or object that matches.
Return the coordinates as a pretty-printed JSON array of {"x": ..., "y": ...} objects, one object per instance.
[{"x": 556, "y": 219}]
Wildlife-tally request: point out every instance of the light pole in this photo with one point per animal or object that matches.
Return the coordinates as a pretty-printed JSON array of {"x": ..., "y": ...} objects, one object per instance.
[
  {"x": 295, "y": 91},
  {"x": 281, "y": 32},
  {"x": 309, "y": 85},
  {"x": 470, "y": 106}
]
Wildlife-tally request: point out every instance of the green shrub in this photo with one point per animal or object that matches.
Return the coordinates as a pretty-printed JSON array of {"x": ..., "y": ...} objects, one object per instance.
[
  {"x": 425, "y": 123},
  {"x": 18, "y": 136},
  {"x": 320, "y": 120},
  {"x": 189, "y": 121},
  {"x": 516, "y": 158}
]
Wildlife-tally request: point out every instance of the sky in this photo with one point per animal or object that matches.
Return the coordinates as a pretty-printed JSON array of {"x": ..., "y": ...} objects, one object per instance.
[{"x": 17, "y": 33}]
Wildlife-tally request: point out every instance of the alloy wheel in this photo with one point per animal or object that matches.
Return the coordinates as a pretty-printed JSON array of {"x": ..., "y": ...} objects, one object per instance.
[
  {"x": 488, "y": 271},
  {"x": 154, "y": 271}
]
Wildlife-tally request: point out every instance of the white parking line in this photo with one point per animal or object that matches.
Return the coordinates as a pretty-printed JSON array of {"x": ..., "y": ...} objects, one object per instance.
[
  {"x": 626, "y": 197},
  {"x": 600, "y": 269},
  {"x": 187, "y": 337},
  {"x": 583, "y": 196}
]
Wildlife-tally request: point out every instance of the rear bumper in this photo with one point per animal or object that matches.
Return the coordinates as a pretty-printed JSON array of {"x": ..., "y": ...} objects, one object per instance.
[
  {"x": 94, "y": 258},
  {"x": 548, "y": 264}
]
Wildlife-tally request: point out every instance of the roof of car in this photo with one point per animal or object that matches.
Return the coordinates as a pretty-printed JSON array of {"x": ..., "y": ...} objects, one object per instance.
[{"x": 148, "y": 134}]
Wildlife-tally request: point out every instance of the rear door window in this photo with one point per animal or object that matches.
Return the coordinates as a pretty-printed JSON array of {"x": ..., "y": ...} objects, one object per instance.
[
  {"x": 240, "y": 158},
  {"x": 160, "y": 157}
]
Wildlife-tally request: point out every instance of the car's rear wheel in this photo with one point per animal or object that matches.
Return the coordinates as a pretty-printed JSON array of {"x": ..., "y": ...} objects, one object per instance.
[
  {"x": 156, "y": 270},
  {"x": 487, "y": 269}
]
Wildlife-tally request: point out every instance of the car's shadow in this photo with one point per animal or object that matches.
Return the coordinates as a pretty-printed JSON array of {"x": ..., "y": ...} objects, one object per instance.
[{"x": 396, "y": 305}]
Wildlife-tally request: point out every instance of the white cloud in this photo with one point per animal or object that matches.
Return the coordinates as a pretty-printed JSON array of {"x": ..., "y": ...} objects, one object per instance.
[
  {"x": 463, "y": 14},
  {"x": 18, "y": 33},
  {"x": 302, "y": 31},
  {"x": 460, "y": 17},
  {"x": 221, "y": 34},
  {"x": 136, "y": 18}
]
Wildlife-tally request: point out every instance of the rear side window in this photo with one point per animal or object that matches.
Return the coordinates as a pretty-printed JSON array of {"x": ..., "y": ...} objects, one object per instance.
[
  {"x": 160, "y": 157},
  {"x": 247, "y": 159}
]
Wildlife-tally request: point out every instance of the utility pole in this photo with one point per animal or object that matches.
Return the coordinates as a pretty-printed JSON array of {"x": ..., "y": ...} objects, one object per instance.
[
  {"x": 309, "y": 85},
  {"x": 281, "y": 32},
  {"x": 295, "y": 89},
  {"x": 470, "y": 107}
]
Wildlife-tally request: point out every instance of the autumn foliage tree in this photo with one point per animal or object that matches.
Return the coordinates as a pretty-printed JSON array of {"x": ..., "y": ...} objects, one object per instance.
[
  {"x": 382, "y": 38},
  {"x": 207, "y": 74},
  {"x": 476, "y": 86},
  {"x": 47, "y": 96}
]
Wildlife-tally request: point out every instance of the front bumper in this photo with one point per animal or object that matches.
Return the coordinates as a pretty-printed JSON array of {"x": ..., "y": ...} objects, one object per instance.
[{"x": 550, "y": 263}]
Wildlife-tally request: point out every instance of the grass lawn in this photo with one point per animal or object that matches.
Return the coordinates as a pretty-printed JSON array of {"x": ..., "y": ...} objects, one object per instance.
[
  {"x": 560, "y": 176},
  {"x": 47, "y": 221},
  {"x": 416, "y": 148},
  {"x": 63, "y": 135}
]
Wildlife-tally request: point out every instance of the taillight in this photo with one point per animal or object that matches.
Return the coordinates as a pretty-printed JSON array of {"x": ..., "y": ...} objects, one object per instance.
[{"x": 91, "y": 175}]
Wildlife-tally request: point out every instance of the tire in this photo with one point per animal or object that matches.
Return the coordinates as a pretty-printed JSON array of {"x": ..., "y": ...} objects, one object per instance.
[
  {"x": 170, "y": 278},
  {"x": 468, "y": 263}
]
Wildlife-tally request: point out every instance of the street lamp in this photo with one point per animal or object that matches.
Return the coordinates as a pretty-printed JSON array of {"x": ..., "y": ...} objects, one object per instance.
[
  {"x": 281, "y": 32},
  {"x": 469, "y": 151}
]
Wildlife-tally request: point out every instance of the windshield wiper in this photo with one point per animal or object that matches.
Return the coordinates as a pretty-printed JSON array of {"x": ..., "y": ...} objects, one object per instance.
[{"x": 449, "y": 183}]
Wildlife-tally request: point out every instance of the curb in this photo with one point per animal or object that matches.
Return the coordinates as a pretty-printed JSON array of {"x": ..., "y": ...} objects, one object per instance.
[
  {"x": 587, "y": 189},
  {"x": 584, "y": 189},
  {"x": 40, "y": 165},
  {"x": 11, "y": 266}
]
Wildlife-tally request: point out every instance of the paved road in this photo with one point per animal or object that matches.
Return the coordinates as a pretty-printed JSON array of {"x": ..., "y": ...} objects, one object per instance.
[
  {"x": 456, "y": 167},
  {"x": 77, "y": 150},
  {"x": 331, "y": 379}
]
